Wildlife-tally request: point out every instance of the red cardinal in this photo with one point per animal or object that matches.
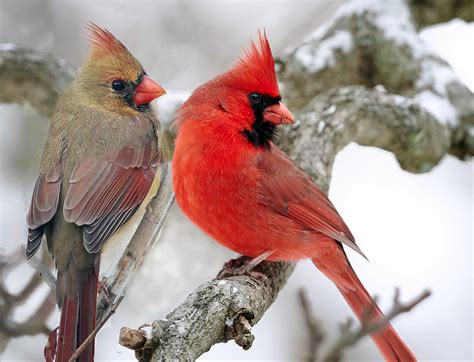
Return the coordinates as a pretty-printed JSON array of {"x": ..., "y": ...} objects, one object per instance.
[
  {"x": 98, "y": 165},
  {"x": 234, "y": 183}
]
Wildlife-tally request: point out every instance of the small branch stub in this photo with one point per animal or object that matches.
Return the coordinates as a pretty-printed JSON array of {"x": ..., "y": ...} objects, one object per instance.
[{"x": 132, "y": 338}]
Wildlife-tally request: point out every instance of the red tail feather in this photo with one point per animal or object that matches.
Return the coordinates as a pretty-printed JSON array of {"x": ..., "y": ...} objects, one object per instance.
[
  {"x": 78, "y": 317},
  {"x": 389, "y": 343}
]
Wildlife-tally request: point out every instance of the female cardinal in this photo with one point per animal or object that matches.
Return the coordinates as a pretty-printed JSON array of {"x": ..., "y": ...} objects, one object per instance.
[
  {"x": 98, "y": 165},
  {"x": 234, "y": 183}
]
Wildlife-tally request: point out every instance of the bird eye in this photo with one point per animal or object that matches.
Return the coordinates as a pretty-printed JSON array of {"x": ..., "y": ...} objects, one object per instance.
[
  {"x": 118, "y": 85},
  {"x": 255, "y": 98}
]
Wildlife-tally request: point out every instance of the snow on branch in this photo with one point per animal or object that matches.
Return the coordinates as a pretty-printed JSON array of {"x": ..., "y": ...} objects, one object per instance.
[{"x": 375, "y": 43}]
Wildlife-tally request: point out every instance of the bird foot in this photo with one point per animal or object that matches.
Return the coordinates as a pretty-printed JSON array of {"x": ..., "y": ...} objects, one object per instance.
[
  {"x": 51, "y": 345},
  {"x": 241, "y": 266},
  {"x": 104, "y": 290},
  {"x": 244, "y": 265}
]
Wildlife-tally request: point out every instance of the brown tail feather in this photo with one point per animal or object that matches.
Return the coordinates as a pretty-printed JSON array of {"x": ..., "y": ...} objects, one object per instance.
[
  {"x": 389, "y": 343},
  {"x": 78, "y": 317}
]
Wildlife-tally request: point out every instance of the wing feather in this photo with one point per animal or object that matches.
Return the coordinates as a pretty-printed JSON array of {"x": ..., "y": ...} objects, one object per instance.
[
  {"x": 288, "y": 190},
  {"x": 104, "y": 194},
  {"x": 44, "y": 204}
]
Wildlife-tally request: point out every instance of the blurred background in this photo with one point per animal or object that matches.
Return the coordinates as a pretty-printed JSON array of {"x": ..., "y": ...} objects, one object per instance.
[{"x": 415, "y": 229}]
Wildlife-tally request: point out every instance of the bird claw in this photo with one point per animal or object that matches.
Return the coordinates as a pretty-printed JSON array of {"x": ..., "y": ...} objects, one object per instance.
[
  {"x": 241, "y": 266},
  {"x": 51, "y": 346},
  {"x": 104, "y": 290}
]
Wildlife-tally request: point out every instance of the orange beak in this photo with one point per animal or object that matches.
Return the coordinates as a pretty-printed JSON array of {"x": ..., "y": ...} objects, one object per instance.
[
  {"x": 278, "y": 114},
  {"x": 146, "y": 91}
]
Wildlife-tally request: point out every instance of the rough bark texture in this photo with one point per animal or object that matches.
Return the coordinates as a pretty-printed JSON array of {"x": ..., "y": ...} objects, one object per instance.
[
  {"x": 429, "y": 12},
  {"x": 211, "y": 314}
]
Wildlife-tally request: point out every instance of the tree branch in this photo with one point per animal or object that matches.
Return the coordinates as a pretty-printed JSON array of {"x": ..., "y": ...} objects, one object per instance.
[
  {"x": 316, "y": 334},
  {"x": 30, "y": 78},
  {"x": 376, "y": 44},
  {"x": 212, "y": 313},
  {"x": 429, "y": 12}
]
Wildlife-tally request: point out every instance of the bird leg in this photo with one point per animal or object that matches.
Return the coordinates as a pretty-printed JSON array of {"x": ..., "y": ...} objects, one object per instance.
[
  {"x": 246, "y": 268},
  {"x": 104, "y": 290}
]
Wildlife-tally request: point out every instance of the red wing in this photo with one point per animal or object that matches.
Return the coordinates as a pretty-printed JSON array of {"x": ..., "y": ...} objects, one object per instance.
[
  {"x": 104, "y": 194},
  {"x": 44, "y": 204},
  {"x": 289, "y": 191}
]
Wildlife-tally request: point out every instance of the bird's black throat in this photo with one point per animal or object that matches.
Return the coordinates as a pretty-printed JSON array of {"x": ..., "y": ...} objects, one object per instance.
[{"x": 262, "y": 132}]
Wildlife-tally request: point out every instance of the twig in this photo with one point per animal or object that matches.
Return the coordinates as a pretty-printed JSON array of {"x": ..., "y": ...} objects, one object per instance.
[
  {"x": 108, "y": 313},
  {"x": 316, "y": 334},
  {"x": 349, "y": 338},
  {"x": 43, "y": 271},
  {"x": 144, "y": 239},
  {"x": 9, "y": 302}
]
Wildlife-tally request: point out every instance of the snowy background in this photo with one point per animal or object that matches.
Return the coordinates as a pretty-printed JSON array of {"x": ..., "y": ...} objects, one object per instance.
[{"x": 415, "y": 229}]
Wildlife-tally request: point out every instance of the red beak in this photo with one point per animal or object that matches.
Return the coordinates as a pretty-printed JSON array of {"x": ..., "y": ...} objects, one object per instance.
[
  {"x": 278, "y": 114},
  {"x": 146, "y": 91}
]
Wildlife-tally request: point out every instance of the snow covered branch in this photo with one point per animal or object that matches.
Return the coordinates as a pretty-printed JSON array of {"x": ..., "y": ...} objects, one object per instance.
[
  {"x": 375, "y": 44},
  {"x": 31, "y": 78},
  {"x": 9, "y": 302}
]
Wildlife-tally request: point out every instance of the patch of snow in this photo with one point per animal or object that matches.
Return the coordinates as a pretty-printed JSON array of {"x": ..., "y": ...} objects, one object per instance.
[
  {"x": 381, "y": 88},
  {"x": 402, "y": 101},
  {"x": 399, "y": 28},
  {"x": 6, "y": 47},
  {"x": 169, "y": 103},
  {"x": 180, "y": 328},
  {"x": 321, "y": 126},
  {"x": 317, "y": 55},
  {"x": 436, "y": 75},
  {"x": 450, "y": 41},
  {"x": 330, "y": 110},
  {"x": 221, "y": 282},
  {"x": 439, "y": 106},
  {"x": 234, "y": 290},
  {"x": 471, "y": 131}
]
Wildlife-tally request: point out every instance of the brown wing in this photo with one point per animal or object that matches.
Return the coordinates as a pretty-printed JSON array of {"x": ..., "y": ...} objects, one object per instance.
[
  {"x": 289, "y": 191},
  {"x": 44, "y": 204},
  {"x": 104, "y": 194}
]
